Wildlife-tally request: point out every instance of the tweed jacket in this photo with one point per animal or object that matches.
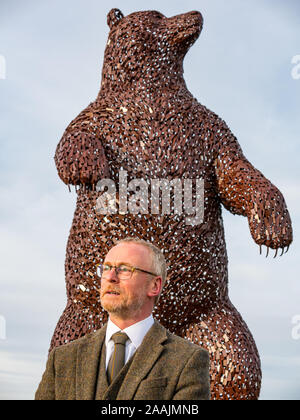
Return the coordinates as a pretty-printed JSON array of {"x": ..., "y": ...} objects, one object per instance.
[{"x": 164, "y": 367}]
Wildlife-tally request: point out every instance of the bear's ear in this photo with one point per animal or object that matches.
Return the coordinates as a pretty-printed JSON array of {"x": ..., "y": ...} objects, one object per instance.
[{"x": 114, "y": 17}]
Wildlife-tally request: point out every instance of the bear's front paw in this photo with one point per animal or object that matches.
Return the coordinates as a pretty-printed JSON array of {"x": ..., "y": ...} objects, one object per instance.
[
  {"x": 80, "y": 158},
  {"x": 269, "y": 220}
]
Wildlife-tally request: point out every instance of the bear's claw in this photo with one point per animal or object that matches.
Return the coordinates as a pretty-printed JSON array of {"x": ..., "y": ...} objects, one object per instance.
[{"x": 283, "y": 251}]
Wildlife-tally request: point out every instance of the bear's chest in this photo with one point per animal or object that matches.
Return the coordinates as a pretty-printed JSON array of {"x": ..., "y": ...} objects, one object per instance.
[{"x": 149, "y": 145}]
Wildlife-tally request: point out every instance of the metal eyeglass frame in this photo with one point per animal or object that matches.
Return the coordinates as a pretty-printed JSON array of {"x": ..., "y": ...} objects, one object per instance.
[{"x": 116, "y": 267}]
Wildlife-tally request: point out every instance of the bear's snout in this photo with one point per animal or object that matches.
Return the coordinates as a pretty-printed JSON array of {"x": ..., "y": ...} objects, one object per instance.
[
  {"x": 187, "y": 26},
  {"x": 194, "y": 17}
]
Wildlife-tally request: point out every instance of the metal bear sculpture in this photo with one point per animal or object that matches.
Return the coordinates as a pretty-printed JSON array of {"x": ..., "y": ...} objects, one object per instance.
[{"x": 146, "y": 123}]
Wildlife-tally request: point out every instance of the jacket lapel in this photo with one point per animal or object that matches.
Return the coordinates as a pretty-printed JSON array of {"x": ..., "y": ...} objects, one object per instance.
[
  {"x": 88, "y": 356},
  {"x": 143, "y": 360},
  {"x": 102, "y": 383}
]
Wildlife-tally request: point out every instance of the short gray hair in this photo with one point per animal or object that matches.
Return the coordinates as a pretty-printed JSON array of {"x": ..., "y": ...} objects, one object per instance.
[{"x": 159, "y": 265}]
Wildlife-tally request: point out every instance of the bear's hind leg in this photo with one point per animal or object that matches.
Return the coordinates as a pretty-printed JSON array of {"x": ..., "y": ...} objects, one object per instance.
[{"x": 235, "y": 364}]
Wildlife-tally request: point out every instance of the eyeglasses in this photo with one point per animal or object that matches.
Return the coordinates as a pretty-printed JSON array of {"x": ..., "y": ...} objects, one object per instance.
[{"x": 123, "y": 271}]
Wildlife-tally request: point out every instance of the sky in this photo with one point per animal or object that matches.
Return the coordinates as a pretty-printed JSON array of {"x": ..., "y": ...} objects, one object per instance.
[{"x": 244, "y": 67}]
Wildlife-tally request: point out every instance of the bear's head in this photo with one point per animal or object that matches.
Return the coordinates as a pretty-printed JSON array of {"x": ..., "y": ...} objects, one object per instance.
[{"x": 147, "y": 42}]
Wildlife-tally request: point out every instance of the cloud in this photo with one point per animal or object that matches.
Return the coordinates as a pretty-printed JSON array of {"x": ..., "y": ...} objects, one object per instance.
[
  {"x": 240, "y": 68},
  {"x": 18, "y": 373}
]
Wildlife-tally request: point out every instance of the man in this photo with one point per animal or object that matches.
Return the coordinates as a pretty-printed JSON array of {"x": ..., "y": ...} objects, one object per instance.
[{"x": 132, "y": 357}]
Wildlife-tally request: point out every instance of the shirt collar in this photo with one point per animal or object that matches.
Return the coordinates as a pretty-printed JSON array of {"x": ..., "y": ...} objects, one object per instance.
[{"x": 135, "y": 332}]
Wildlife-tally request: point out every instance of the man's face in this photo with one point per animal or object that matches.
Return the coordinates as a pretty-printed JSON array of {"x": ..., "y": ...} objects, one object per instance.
[{"x": 132, "y": 297}]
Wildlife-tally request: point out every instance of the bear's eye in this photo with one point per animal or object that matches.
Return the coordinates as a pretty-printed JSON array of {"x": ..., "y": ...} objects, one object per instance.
[{"x": 157, "y": 15}]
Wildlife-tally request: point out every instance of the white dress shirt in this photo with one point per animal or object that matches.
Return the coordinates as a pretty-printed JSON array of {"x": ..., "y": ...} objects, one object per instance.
[{"x": 135, "y": 333}]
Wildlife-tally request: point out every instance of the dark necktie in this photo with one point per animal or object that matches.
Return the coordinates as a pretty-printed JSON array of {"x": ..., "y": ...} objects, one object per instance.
[{"x": 117, "y": 360}]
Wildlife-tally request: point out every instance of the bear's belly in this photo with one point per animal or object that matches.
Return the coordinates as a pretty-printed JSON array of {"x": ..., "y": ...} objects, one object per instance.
[
  {"x": 196, "y": 256},
  {"x": 171, "y": 144},
  {"x": 142, "y": 151}
]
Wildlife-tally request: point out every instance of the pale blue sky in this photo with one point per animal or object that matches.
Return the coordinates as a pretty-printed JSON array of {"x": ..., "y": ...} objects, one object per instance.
[{"x": 240, "y": 68}]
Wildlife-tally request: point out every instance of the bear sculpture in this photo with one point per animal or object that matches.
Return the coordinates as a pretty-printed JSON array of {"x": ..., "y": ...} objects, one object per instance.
[{"x": 146, "y": 123}]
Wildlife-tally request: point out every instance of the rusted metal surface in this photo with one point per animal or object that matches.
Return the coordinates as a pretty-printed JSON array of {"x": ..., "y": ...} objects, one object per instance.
[{"x": 146, "y": 122}]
